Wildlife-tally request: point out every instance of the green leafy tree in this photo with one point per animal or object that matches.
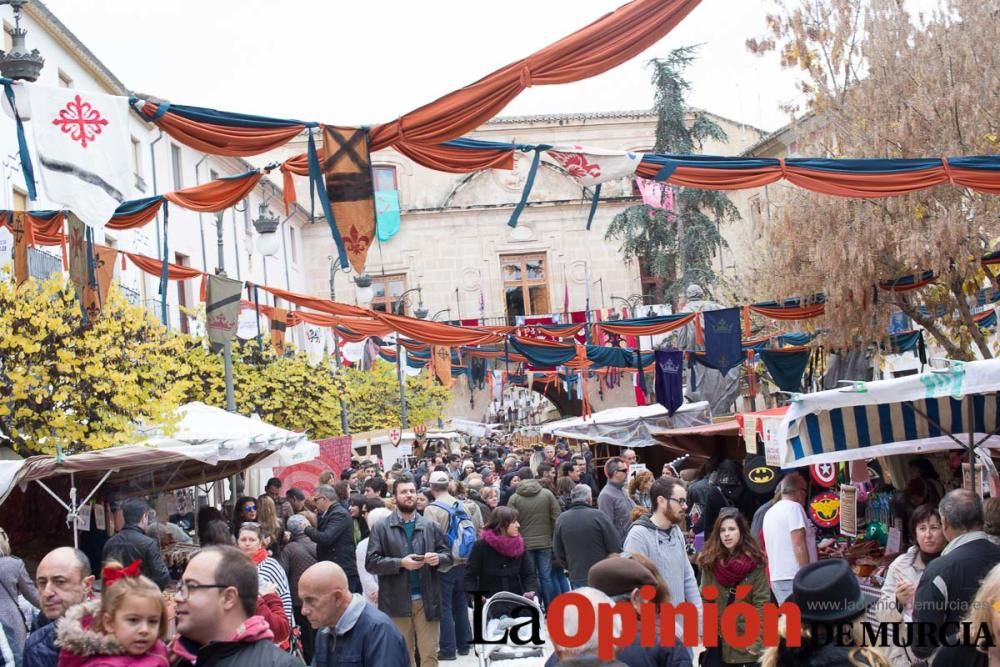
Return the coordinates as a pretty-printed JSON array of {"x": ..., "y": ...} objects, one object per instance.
[
  {"x": 677, "y": 246},
  {"x": 372, "y": 398}
]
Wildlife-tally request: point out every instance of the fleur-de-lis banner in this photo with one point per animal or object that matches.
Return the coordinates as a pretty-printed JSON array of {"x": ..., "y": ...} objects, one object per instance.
[
  {"x": 23, "y": 239},
  {"x": 95, "y": 296},
  {"x": 222, "y": 309},
  {"x": 279, "y": 322},
  {"x": 348, "y": 172}
]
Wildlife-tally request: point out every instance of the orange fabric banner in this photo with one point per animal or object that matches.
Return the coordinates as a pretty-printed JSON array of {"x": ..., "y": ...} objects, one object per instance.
[
  {"x": 154, "y": 267},
  {"x": 348, "y": 172},
  {"x": 604, "y": 44},
  {"x": 218, "y": 139},
  {"x": 23, "y": 240},
  {"x": 215, "y": 195},
  {"x": 94, "y": 296},
  {"x": 279, "y": 322},
  {"x": 77, "y": 251},
  {"x": 441, "y": 360}
]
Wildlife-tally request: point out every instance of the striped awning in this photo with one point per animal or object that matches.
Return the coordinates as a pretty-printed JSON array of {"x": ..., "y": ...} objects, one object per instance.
[{"x": 920, "y": 413}]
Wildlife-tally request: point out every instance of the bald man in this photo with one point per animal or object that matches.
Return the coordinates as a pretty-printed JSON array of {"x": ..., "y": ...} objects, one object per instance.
[
  {"x": 63, "y": 579},
  {"x": 362, "y": 635}
]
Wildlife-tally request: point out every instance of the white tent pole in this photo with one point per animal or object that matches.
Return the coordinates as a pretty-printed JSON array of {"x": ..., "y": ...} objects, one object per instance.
[{"x": 73, "y": 506}]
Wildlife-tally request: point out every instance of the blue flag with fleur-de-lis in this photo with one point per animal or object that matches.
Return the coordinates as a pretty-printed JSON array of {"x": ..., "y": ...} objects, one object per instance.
[{"x": 723, "y": 346}]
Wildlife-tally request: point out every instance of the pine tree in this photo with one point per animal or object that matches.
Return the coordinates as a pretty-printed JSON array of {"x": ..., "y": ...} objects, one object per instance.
[{"x": 677, "y": 246}]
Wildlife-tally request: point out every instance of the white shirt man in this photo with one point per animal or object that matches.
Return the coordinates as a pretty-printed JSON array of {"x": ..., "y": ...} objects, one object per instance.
[{"x": 789, "y": 537}]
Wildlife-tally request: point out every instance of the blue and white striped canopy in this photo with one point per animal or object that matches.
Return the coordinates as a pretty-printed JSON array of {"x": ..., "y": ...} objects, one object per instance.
[{"x": 913, "y": 414}]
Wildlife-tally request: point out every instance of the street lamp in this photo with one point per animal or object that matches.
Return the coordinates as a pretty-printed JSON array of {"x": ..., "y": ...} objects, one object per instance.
[
  {"x": 443, "y": 310},
  {"x": 363, "y": 292},
  {"x": 420, "y": 312},
  {"x": 344, "y": 422},
  {"x": 19, "y": 63},
  {"x": 266, "y": 224}
]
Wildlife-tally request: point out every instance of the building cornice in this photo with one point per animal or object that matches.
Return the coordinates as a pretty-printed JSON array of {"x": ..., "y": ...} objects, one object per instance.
[{"x": 72, "y": 44}]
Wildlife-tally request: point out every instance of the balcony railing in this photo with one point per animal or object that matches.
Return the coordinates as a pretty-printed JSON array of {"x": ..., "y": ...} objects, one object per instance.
[{"x": 42, "y": 264}]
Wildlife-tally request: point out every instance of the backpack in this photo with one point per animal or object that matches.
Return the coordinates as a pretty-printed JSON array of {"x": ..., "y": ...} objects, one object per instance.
[{"x": 461, "y": 535}]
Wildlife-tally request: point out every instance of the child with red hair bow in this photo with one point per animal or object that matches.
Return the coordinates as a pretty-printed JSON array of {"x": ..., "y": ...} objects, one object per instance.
[{"x": 125, "y": 628}]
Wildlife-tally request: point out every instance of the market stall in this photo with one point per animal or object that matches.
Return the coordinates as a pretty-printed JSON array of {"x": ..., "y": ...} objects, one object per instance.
[
  {"x": 853, "y": 441},
  {"x": 208, "y": 444},
  {"x": 630, "y": 426}
]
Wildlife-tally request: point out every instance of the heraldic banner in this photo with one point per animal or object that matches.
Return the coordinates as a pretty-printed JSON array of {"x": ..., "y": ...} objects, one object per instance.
[
  {"x": 222, "y": 308},
  {"x": 348, "y": 171}
]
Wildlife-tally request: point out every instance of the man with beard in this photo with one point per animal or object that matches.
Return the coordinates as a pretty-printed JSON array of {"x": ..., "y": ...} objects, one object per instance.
[
  {"x": 659, "y": 538},
  {"x": 407, "y": 553}
]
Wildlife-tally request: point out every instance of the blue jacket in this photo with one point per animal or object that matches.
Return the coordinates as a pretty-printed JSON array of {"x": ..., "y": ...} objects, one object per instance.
[
  {"x": 373, "y": 641},
  {"x": 40, "y": 648}
]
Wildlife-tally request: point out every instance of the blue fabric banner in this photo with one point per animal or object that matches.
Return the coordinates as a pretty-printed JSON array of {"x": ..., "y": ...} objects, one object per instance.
[
  {"x": 786, "y": 368},
  {"x": 670, "y": 379},
  {"x": 386, "y": 213},
  {"x": 723, "y": 338}
]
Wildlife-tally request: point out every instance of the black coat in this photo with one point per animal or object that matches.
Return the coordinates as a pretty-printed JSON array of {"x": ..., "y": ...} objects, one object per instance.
[
  {"x": 387, "y": 546},
  {"x": 584, "y": 535},
  {"x": 261, "y": 653},
  {"x": 130, "y": 545},
  {"x": 334, "y": 538},
  {"x": 489, "y": 572}
]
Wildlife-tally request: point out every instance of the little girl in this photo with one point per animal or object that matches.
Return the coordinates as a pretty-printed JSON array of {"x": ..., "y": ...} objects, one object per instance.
[{"x": 124, "y": 628}]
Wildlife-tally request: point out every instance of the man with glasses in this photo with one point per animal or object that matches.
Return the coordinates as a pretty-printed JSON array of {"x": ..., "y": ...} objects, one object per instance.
[
  {"x": 216, "y": 614},
  {"x": 334, "y": 534},
  {"x": 789, "y": 536},
  {"x": 614, "y": 501},
  {"x": 660, "y": 539}
]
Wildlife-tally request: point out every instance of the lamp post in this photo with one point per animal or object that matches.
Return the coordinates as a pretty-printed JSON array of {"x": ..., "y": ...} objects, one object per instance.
[
  {"x": 443, "y": 310},
  {"x": 344, "y": 420},
  {"x": 421, "y": 313},
  {"x": 19, "y": 63},
  {"x": 227, "y": 347}
]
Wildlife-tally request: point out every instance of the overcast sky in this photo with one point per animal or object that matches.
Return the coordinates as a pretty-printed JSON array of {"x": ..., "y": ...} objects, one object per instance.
[{"x": 349, "y": 62}]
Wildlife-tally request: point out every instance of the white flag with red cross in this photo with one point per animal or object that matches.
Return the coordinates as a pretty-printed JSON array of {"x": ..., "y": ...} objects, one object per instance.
[{"x": 82, "y": 149}]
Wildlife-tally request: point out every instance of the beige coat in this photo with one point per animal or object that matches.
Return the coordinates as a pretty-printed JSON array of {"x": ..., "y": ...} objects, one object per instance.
[{"x": 906, "y": 566}]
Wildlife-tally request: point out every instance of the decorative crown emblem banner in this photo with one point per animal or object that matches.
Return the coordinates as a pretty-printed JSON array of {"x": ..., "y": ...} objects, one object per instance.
[
  {"x": 590, "y": 166},
  {"x": 723, "y": 345},
  {"x": 83, "y": 145},
  {"x": 348, "y": 172},
  {"x": 222, "y": 308}
]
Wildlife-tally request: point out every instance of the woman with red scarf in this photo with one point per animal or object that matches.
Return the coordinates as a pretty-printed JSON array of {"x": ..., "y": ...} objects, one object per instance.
[
  {"x": 732, "y": 558},
  {"x": 497, "y": 562}
]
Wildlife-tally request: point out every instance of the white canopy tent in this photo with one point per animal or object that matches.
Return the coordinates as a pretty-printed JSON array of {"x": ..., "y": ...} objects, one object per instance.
[
  {"x": 949, "y": 408},
  {"x": 209, "y": 444},
  {"x": 630, "y": 426}
]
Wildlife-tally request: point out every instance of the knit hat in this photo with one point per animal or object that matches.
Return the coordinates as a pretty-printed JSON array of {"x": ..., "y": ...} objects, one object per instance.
[{"x": 618, "y": 575}]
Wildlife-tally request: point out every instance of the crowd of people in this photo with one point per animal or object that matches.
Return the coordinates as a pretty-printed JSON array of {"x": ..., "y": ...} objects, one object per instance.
[{"x": 382, "y": 567}]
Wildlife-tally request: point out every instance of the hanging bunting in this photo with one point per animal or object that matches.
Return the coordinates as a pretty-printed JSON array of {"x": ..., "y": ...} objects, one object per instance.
[
  {"x": 387, "y": 214},
  {"x": 669, "y": 379},
  {"x": 222, "y": 307},
  {"x": 95, "y": 294},
  {"x": 83, "y": 145},
  {"x": 23, "y": 240},
  {"x": 723, "y": 338},
  {"x": 279, "y": 323},
  {"x": 348, "y": 172},
  {"x": 441, "y": 360}
]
